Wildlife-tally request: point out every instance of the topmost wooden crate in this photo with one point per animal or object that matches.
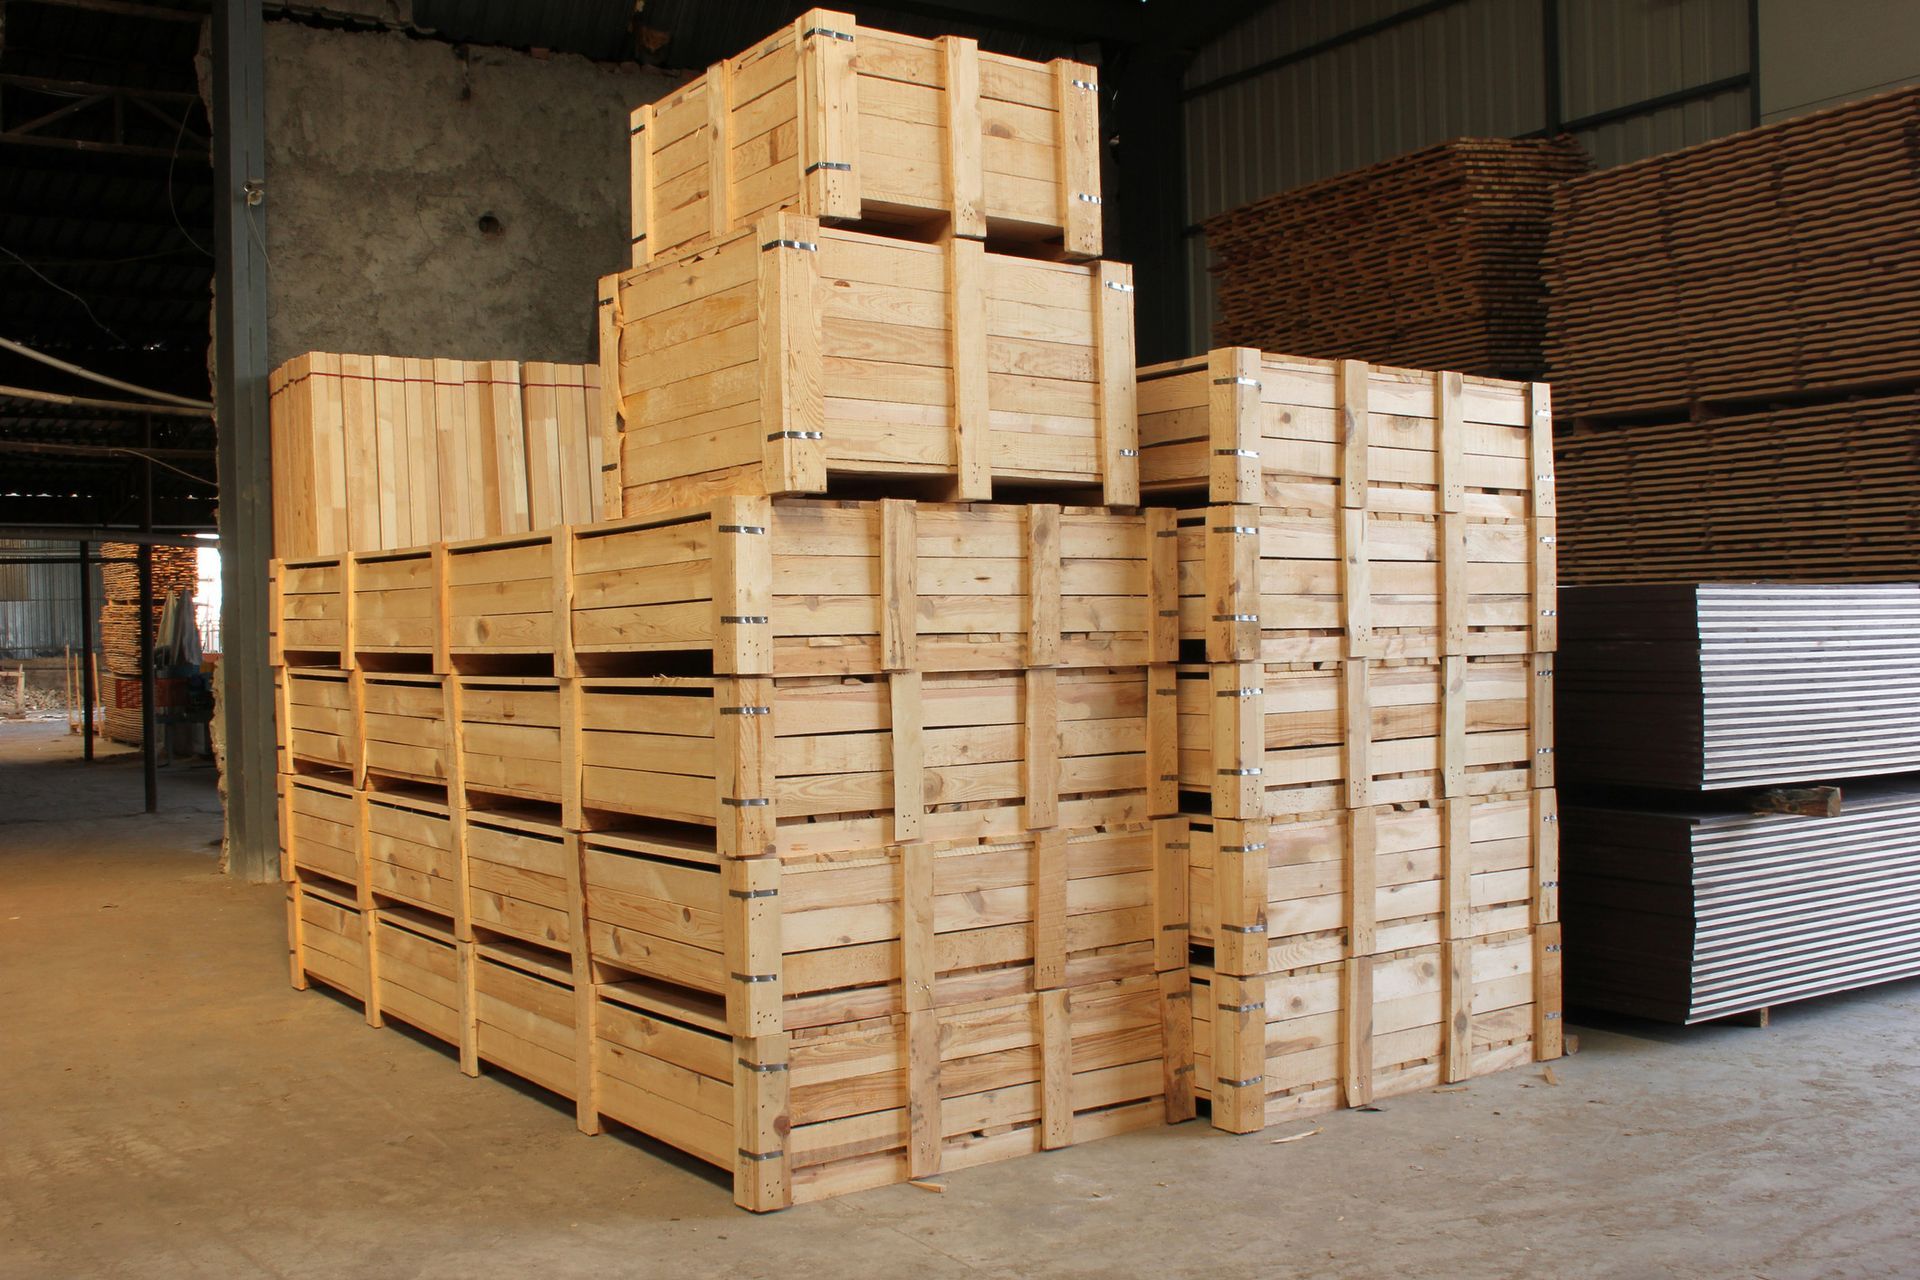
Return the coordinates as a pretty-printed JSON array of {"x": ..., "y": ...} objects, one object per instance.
[{"x": 842, "y": 122}]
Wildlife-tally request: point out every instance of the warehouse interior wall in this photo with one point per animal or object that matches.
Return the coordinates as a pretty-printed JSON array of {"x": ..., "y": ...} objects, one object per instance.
[
  {"x": 1821, "y": 55},
  {"x": 427, "y": 198}
]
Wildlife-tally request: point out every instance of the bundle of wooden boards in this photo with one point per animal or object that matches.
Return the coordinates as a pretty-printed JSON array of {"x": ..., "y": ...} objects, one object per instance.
[
  {"x": 1431, "y": 260},
  {"x": 840, "y": 840},
  {"x": 1733, "y": 353},
  {"x": 372, "y": 453},
  {"x": 174, "y": 569},
  {"x": 1689, "y": 900}
]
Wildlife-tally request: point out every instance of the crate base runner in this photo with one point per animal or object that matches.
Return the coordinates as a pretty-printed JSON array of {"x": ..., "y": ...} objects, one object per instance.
[
  {"x": 1342, "y": 1034},
  {"x": 836, "y": 1109}
]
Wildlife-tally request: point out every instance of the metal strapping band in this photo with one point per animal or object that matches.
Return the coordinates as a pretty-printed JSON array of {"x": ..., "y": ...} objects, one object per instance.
[
  {"x": 1169, "y": 777},
  {"x": 1254, "y": 847},
  {"x": 1236, "y": 380},
  {"x": 1169, "y": 613},
  {"x": 642, "y": 236},
  {"x": 1116, "y": 285},
  {"x": 1553, "y": 946},
  {"x": 1166, "y": 693},
  {"x": 1552, "y": 817},
  {"x": 1549, "y": 613},
  {"x": 838, "y": 166},
  {"x": 1544, "y": 751},
  {"x": 746, "y": 802},
  {"x": 1240, "y": 1084},
  {"x": 1240, "y": 773},
  {"x": 744, "y": 619},
  {"x": 1236, "y": 453},
  {"x": 1088, "y": 85},
  {"x": 1085, "y": 198},
  {"x": 1244, "y": 691},
  {"x": 1237, "y": 528},
  {"x": 1236, "y": 617},
  {"x": 1184, "y": 1071},
  {"x": 740, "y": 528},
  {"x": 797, "y": 435},
  {"x": 1129, "y": 453},
  {"x": 1244, "y": 928},
  {"x": 807, "y": 245},
  {"x": 1547, "y": 540},
  {"x": 755, "y": 977},
  {"x": 1544, "y": 672},
  {"x": 764, "y": 1068},
  {"x": 638, "y": 128},
  {"x": 746, "y": 711},
  {"x": 1166, "y": 533},
  {"x": 1173, "y": 928},
  {"x": 810, "y": 32},
  {"x": 1554, "y": 1014},
  {"x": 746, "y": 895},
  {"x": 606, "y": 302},
  {"x": 759, "y": 1156},
  {"x": 1549, "y": 884},
  {"x": 1181, "y": 844}
]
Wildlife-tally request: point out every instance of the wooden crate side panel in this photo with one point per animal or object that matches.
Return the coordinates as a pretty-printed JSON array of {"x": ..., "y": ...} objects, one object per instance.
[{"x": 525, "y": 1024}]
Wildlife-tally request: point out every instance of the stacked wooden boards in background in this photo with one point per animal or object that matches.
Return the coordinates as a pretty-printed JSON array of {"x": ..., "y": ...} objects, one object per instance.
[
  {"x": 1734, "y": 359},
  {"x": 174, "y": 569},
  {"x": 1430, "y": 260},
  {"x": 1364, "y": 714},
  {"x": 1684, "y": 903},
  {"x": 1689, "y": 909},
  {"x": 374, "y": 453}
]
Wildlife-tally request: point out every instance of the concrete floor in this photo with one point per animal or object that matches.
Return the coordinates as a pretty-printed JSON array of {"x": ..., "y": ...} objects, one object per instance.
[{"x": 170, "y": 1107}]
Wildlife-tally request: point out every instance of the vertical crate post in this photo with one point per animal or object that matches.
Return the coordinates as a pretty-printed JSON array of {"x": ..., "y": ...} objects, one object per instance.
[
  {"x": 1113, "y": 348},
  {"x": 792, "y": 411},
  {"x": 719, "y": 91},
  {"x": 1453, "y": 725},
  {"x": 609, "y": 398},
  {"x": 762, "y": 1169},
  {"x": 1546, "y": 857},
  {"x": 457, "y": 823},
  {"x": 966, "y": 180},
  {"x": 742, "y": 586},
  {"x": 1077, "y": 94},
  {"x": 1540, "y": 719},
  {"x": 1049, "y": 910},
  {"x": 1238, "y": 1089},
  {"x": 1362, "y": 881},
  {"x": 1545, "y": 557},
  {"x": 1233, "y": 583},
  {"x": 1233, "y": 413},
  {"x": 1163, "y": 741},
  {"x": 586, "y": 1088},
  {"x": 1357, "y": 706},
  {"x": 1240, "y": 862},
  {"x": 640, "y": 165},
  {"x": 1171, "y": 906},
  {"x": 1548, "y": 1036},
  {"x": 899, "y": 585},
  {"x": 1238, "y": 719},
  {"x": 1176, "y": 1043},
  {"x": 1450, "y": 474},
  {"x": 364, "y": 899},
  {"x": 1356, "y": 1039},
  {"x": 1457, "y": 998},
  {"x": 829, "y": 113},
  {"x": 917, "y": 969},
  {"x": 906, "y": 717},
  {"x": 1163, "y": 585},
  {"x": 1056, "y": 1069},
  {"x": 967, "y": 344}
]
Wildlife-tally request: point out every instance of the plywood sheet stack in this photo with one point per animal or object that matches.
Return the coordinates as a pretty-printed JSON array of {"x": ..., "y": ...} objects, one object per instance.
[
  {"x": 1706, "y": 874},
  {"x": 375, "y": 453},
  {"x": 1430, "y": 260},
  {"x": 1731, "y": 343},
  {"x": 174, "y": 569},
  {"x": 1365, "y": 592}
]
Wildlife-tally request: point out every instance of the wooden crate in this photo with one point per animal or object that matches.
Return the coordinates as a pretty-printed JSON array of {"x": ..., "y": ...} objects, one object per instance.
[
  {"x": 327, "y": 941},
  {"x": 519, "y": 879},
  {"x": 939, "y": 924},
  {"x": 792, "y": 357},
  {"x": 524, "y": 1013},
  {"x": 395, "y": 609},
  {"x": 418, "y": 971},
  {"x": 1239, "y": 425},
  {"x": 320, "y": 831},
  {"x": 840, "y": 121},
  {"x": 1269, "y": 896},
  {"x": 797, "y": 587},
  {"x": 413, "y": 854},
  {"x": 403, "y": 727},
  {"x": 319, "y": 721},
  {"x": 1268, "y": 740},
  {"x": 310, "y": 613},
  {"x": 840, "y": 1108},
  {"x": 509, "y": 739},
  {"x": 505, "y": 598},
  {"x": 1344, "y": 1033},
  {"x": 838, "y": 764}
]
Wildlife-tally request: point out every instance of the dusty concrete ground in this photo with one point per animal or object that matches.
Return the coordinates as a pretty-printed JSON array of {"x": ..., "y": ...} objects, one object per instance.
[{"x": 170, "y": 1107}]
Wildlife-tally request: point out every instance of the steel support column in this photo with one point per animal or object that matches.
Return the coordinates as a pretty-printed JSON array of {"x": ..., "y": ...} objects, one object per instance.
[{"x": 240, "y": 413}]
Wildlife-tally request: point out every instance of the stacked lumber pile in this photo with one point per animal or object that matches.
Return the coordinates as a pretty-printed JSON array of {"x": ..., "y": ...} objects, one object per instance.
[
  {"x": 1712, "y": 867},
  {"x": 174, "y": 569},
  {"x": 834, "y": 819},
  {"x": 374, "y": 453},
  {"x": 1732, "y": 348},
  {"x": 1369, "y": 737},
  {"x": 1431, "y": 260}
]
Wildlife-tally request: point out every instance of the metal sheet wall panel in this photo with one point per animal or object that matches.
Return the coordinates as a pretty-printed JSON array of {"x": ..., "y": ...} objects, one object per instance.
[
  {"x": 1280, "y": 29},
  {"x": 1668, "y": 129},
  {"x": 1617, "y": 52},
  {"x": 40, "y": 603}
]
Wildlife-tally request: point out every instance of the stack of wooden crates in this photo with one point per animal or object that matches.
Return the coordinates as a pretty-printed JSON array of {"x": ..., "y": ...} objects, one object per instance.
[{"x": 854, "y": 806}]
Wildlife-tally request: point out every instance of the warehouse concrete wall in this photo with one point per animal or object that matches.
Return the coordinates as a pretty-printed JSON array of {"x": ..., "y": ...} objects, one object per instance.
[
  {"x": 430, "y": 199},
  {"x": 1820, "y": 55}
]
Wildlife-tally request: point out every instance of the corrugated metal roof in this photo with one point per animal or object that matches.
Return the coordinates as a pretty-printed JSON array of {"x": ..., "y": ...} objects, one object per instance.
[{"x": 596, "y": 28}]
